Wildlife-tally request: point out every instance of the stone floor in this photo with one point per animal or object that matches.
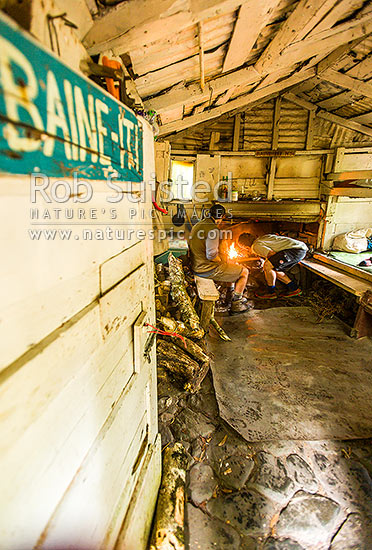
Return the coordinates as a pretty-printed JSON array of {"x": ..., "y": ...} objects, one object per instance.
[{"x": 266, "y": 495}]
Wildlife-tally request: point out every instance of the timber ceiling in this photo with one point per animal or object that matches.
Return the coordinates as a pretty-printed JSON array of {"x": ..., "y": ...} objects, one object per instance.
[{"x": 196, "y": 60}]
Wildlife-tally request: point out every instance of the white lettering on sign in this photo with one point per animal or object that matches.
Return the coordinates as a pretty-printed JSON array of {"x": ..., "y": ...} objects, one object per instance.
[
  {"x": 56, "y": 118},
  {"x": 71, "y": 115},
  {"x": 18, "y": 95},
  {"x": 86, "y": 125},
  {"x": 126, "y": 150},
  {"x": 102, "y": 131}
]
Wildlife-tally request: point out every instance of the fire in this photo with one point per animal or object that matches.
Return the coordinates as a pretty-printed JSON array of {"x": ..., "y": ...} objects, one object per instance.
[{"x": 232, "y": 253}]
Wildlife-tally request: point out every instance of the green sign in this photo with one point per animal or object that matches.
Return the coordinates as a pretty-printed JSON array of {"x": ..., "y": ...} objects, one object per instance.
[{"x": 57, "y": 122}]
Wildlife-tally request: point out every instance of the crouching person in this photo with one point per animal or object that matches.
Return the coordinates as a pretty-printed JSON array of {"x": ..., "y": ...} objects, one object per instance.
[
  {"x": 279, "y": 255},
  {"x": 205, "y": 242}
]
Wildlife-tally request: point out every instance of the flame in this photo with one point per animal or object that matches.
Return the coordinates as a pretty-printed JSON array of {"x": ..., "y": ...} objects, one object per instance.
[{"x": 232, "y": 253}]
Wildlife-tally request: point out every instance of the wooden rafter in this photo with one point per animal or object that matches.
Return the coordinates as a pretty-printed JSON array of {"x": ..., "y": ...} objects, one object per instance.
[
  {"x": 320, "y": 44},
  {"x": 244, "y": 77},
  {"x": 319, "y": 60},
  {"x": 364, "y": 118},
  {"x": 237, "y": 103},
  {"x": 305, "y": 16},
  {"x": 252, "y": 18},
  {"x": 192, "y": 94},
  {"x": 325, "y": 10},
  {"x": 135, "y": 23},
  {"x": 341, "y": 8},
  {"x": 336, "y": 55},
  {"x": 360, "y": 70},
  {"x": 224, "y": 98},
  {"x": 363, "y": 69},
  {"x": 345, "y": 81},
  {"x": 320, "y": 113},
  {"x": 201, "y": 56}
]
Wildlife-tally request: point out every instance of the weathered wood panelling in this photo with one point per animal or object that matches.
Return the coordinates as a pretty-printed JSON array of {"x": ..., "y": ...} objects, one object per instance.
[
  {"x": 258, "y": 127},
  {"x": 78, "y": 419},
  {"x": 346, "y": 214},
  {"x": 292, "y": 126}
]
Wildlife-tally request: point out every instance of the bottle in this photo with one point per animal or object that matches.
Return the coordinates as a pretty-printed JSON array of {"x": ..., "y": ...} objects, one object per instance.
[
  {"x": 234, "y": 193},
  {"x": 224, "y": 191}
]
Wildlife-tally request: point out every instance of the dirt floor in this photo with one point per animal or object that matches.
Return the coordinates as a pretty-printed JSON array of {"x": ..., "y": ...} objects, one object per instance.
[{"x": 278, "y": 437}]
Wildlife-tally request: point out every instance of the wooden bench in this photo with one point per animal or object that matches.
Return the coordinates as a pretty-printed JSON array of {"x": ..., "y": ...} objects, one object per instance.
[
  {"x": 208, "y": 295},
  {"x": 344, "y": 280},
  {"x": 359, "y": 287}
]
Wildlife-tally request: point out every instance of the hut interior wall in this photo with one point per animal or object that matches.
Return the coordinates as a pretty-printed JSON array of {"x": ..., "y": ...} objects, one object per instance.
[{"x": 78, "y": 411}]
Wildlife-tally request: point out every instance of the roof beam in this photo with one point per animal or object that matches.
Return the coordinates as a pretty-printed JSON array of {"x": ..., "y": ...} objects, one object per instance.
[
  {"x": 178, "y": 96},
  {"x": 320, "y": 113},
  {"x": 135, "y": 23},
  {"x": 300, "y": 51},
  {"x": 252, "y": 18},
  {"x": 305, "y": 16},
  {"x": 319, "y": 15},
  {"x": 201, "y": 56},
  {"x": 345, "y": 81},
  {"x": 363, "y": 69},
  {"x": 321, "y": 43},
  {"x": 339, "y": 11},
  {"x": 336, "y": 55},
  {"x": 237, "y": 103},
  {"x": 363, "y": 118}
]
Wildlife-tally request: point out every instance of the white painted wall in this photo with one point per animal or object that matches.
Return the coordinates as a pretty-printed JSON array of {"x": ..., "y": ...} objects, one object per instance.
[{"x": 78, "y": 414}]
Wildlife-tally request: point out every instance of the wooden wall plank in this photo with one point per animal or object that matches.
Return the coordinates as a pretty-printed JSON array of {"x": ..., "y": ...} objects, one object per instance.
[
  {"x": 134, "y": 534},
  {"x": 73, "y": 402},
  {"x": 120, "y": 303},
  {"x": 34, "y": 487},
  {"x": 87, "y": 507},
  {"x": 65, "y": 277},
  {"x": 118, "y": 267},
  {"x": 236, "y": 134},
  {"x": 310, "y": 130}
]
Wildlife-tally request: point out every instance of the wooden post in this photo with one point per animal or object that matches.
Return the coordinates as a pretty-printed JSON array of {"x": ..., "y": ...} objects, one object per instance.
[
  {"x": 236, "y": 135},
  {"x": 201, "y": 56},
  {"x": 213, "y": 140},
  {"x": 339, "y": 159},
  {"x": 310, "y": 130},
  {"x": 275, "y": 139},
  {"x": 206, "y": 314},
  {"x": 271, "y": 178},
  {"x": 274, "y": 145}
]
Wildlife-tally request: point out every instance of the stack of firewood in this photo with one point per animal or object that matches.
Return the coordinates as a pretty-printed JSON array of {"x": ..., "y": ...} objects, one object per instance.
[{"x": 181, "y": 347}]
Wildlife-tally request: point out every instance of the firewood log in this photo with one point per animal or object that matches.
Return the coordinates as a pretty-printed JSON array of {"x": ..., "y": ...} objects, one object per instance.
[
  {"x": 180, "y": 296},
  {"x": 222, "y": 334},
  {"x": 191, "y": 348},
  {"x": 194, "y": 385},
  {"x": 162, "y": 291},
  {"x": 178, "y": 362},
  {"x": 168, "y": 531},
  {"x": 171, "y": 325}
]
